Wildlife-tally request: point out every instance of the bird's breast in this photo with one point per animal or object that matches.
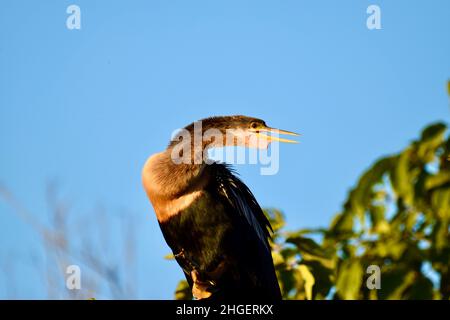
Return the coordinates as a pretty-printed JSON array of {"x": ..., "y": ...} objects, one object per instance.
[{"x": 167, "y": 208}]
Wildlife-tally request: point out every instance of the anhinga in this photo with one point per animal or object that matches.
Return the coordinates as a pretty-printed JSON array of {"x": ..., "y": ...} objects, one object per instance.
[{"x": 210, "y": 219}]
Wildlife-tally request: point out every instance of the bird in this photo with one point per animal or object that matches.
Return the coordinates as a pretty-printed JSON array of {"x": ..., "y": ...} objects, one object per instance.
[{"x": 217, "y": 231}]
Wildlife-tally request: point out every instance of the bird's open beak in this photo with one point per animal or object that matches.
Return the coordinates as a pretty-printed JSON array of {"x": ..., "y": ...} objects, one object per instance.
[{"x": 274, "y": 134}]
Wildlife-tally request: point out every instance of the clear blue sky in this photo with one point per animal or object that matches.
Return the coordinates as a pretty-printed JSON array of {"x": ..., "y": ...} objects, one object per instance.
[{"x": 87, "y": 107}]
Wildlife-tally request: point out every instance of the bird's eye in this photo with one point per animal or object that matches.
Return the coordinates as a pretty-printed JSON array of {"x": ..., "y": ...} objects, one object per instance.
[{"x": 254, "y": 125}]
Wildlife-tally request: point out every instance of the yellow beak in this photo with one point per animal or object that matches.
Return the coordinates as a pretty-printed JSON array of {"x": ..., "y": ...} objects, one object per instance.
[{"x": 274, "y": 134}]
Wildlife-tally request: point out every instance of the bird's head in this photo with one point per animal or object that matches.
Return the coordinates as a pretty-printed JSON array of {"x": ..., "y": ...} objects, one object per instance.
[{"x": 236, "y": 130}]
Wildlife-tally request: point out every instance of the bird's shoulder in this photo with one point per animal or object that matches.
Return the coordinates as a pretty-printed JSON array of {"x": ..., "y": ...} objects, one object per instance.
[{"x": 226, "y": 182}]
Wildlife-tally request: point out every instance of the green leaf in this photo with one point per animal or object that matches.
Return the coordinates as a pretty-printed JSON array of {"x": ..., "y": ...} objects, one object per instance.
[
  {"x": 440, "y": 202},
  {"x": 323, "y": 277},
  {"x": 395, "y": 282},
  {"x": 309, "y": 280},
  {"x": 437, "y": 180},
  {"x": 432, "y": 137},
  {"x": 421, "y": 289},
  {"x": 169, "y": 256},
  {"x": 287, "y": 280},
  {"x": 377, "y": 216},
  {"x": 276, "y": 218},
  {"x": 401, "y": 179},
  {"x": 183, "y": 291},
  {"x": 343, "y": 224},
  {"x": 349, "y": 279},
  {"x": 308, "y": 245},
  {"x": 362, "y": 195},
  {"x": 440, "y": 235},
  {"x": 277, "y": 258}
]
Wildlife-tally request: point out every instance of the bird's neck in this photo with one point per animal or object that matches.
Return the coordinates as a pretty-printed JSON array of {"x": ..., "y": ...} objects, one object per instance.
[{"x": 166, "y": 178}]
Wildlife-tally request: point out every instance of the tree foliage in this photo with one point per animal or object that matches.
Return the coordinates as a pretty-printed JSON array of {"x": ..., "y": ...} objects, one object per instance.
[{"x": 396, "y": 217}]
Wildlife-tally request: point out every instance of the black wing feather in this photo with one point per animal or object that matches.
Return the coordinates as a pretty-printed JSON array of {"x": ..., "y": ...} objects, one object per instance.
[{"x": 243, "y": 201}]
